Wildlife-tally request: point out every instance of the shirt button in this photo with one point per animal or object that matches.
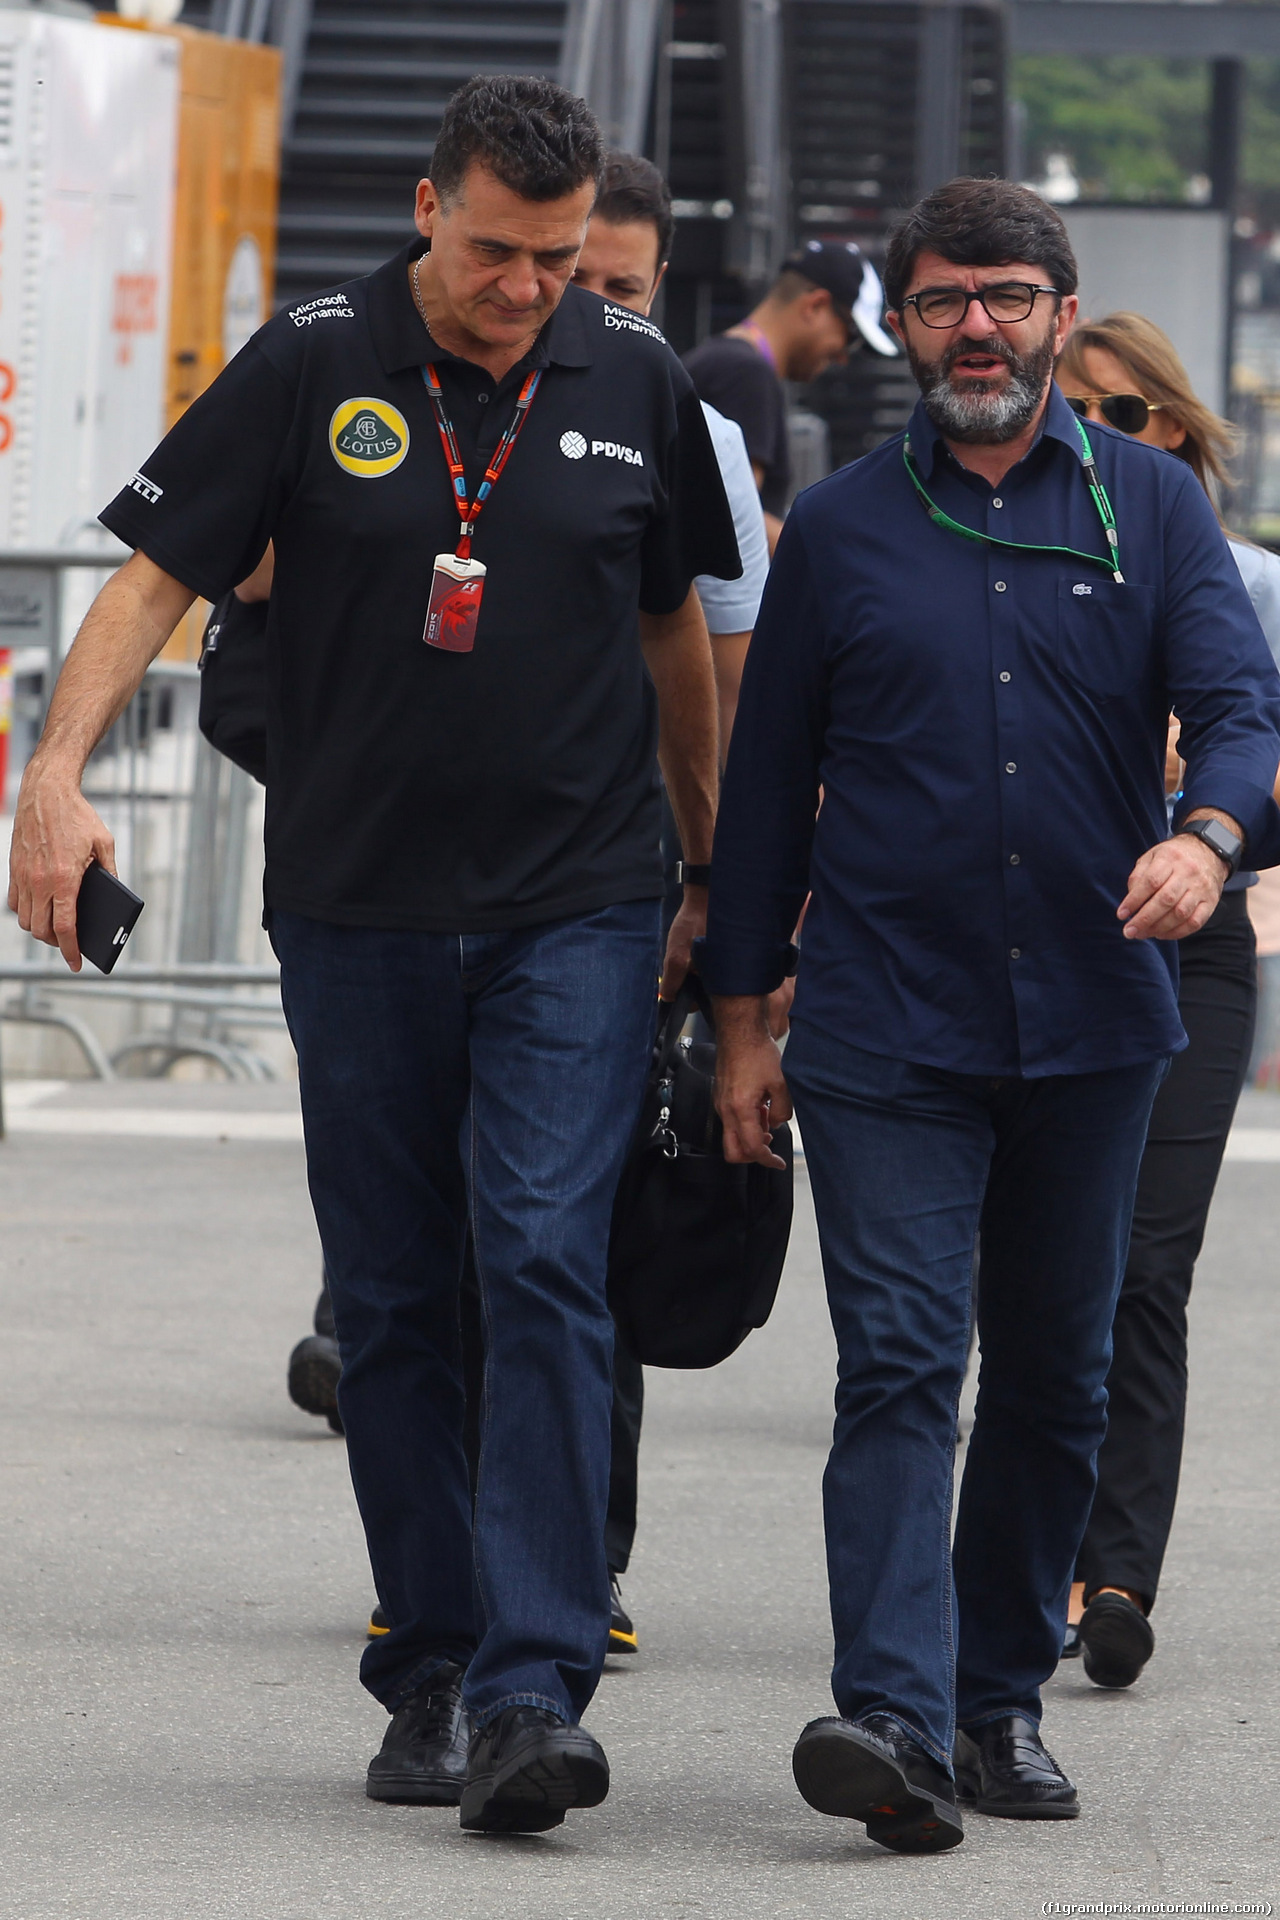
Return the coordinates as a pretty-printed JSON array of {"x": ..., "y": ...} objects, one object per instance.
[
  {"x": 1000, "y": 586},
  {"x": 1011, "y": 766},
  {"x": 997, "y": 503},
  {"x": 1015, "y": 859},
  {"x": 1015, "y": 953},
  {"x": 1006, "y": 678},
  {"x": 482, "y": 397}
]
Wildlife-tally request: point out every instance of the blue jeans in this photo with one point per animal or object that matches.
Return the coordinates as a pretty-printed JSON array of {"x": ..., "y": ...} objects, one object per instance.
[
  {"x": 908, "y": 1166},
  {"x": 500, "y": 1073}
]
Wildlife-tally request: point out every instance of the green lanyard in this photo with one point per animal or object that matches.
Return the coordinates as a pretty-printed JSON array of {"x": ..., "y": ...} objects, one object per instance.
[{"x": 1111, "y": 560}]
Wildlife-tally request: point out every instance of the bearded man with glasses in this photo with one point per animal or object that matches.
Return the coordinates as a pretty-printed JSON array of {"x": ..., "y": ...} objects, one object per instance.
[{"x": 972, "y": 640}]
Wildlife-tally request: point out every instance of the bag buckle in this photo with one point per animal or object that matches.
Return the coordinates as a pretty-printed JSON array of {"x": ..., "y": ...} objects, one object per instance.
[{"x": 663, "y": 1134}]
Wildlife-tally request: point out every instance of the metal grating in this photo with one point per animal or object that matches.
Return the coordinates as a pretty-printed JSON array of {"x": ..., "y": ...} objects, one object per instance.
[
  {"x": 983, "y": 128},
  {"x": 695, "y": 142},
  {"x": 851, "y": 76},
  {"x": 374, "y": 85},
  {"x": 8, "y": 82},
  {"x": 853, "y": 71}
]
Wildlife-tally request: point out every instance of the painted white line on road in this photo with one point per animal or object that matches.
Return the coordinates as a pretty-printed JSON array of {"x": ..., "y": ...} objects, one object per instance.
[
  {"x": 153, "y": 1123},
  {"x": 1253, "y": 1143}
]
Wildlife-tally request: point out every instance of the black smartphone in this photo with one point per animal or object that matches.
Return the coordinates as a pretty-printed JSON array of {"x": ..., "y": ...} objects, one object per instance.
[{"x": 106, "y": 914}]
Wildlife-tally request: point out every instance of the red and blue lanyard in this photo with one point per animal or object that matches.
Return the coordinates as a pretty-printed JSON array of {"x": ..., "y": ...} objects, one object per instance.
[{"x": 468, "y": 514}]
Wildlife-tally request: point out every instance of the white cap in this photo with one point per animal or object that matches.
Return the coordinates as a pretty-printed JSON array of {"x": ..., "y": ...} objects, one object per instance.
[{"x": 867, "y": 311}]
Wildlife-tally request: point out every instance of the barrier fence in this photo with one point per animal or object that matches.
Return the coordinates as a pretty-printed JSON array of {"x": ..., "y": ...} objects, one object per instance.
[{"x": 198, "y": 980}]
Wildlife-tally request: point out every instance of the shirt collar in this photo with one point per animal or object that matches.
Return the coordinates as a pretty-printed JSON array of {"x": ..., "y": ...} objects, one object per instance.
[
  {"x": 1057, "y": 423},
  {"x": 401, "y": 341}
]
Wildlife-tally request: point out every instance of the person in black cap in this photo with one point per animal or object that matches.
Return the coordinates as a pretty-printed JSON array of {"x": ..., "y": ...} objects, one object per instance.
[{"x": 826, "y": 300}]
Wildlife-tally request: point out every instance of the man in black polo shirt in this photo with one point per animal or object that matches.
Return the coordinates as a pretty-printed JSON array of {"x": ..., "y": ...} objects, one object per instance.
[{"x": 462, "y": 877}]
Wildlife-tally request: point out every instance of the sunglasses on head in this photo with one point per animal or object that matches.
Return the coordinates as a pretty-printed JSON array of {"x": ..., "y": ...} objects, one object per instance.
[{"x": 1128, "y": 411}]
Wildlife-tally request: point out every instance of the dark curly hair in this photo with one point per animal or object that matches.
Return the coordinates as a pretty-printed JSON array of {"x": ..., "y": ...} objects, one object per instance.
[
  {"x": 538, "y": 139},
  {"x": 980, "y": 223}
]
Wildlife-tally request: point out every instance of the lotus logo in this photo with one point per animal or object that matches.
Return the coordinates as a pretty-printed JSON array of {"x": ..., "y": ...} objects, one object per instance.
[
  {"x": 572, "y": 445},
  {"x": 368, "y": 437}
]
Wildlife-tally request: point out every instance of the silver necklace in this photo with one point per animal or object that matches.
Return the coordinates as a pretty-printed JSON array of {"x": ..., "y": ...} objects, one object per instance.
[{"x": 417, "y": 294}]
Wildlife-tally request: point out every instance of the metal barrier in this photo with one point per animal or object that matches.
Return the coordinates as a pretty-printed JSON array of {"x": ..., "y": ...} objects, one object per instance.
[
  {"x": 187, "y": 830},
  {"x": 211, "y": 991}
]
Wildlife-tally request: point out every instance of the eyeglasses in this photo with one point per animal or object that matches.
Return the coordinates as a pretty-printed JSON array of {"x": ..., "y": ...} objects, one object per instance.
[
  {"x": 1128, "y": 411},
  {"x": 947, "y": 306}
]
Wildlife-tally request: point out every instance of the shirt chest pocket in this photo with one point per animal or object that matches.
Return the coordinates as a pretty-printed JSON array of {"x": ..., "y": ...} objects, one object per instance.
[{"x": 1104, "y": 634}]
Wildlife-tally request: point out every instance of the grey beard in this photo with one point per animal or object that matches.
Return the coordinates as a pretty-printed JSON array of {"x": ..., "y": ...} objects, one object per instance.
[{"x": 970, "y": 413}]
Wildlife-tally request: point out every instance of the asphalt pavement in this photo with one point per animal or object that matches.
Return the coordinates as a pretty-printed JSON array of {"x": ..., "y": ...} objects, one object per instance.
[{"x": 183, "y": 1589}]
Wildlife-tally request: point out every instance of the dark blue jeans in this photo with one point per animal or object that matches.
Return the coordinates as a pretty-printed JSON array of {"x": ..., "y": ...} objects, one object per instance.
[
  {"x": 498, "y": 1073},
  {"x": 908, "y": 1165}
]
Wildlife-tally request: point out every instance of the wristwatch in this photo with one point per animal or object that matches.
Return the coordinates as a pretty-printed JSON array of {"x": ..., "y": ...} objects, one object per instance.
[
  {"x": 688, "y": 875},
  {"x": 1227, "y": 845}
]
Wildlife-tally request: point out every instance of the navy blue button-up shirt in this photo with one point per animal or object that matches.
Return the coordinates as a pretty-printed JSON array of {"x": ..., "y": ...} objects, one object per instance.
[{"x": 988, "y": 731}]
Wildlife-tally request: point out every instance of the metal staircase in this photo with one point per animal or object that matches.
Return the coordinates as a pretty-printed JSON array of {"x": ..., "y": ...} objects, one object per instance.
[
  {"x": 373, "y": 84},
  {"x": 883, "y": 99}
]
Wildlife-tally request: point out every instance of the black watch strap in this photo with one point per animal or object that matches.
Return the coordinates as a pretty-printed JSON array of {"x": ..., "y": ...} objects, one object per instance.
[
  {"x": 1227, "y": 845},
  {"x": 687, "y": 875}
]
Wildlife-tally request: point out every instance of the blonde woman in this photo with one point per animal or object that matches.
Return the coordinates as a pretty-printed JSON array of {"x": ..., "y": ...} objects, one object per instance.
[{"x": 1123, "y": 372}]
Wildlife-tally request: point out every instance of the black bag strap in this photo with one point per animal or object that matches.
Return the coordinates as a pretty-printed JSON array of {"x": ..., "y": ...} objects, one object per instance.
[{"x": 692, "y": 997}]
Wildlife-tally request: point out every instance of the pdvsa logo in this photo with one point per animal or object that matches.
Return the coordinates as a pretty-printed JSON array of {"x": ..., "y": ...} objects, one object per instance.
[
  {"x": 368, "y": 437},
  {"x": 613, "y": 450},
  {"x": 574, "y": 447}
]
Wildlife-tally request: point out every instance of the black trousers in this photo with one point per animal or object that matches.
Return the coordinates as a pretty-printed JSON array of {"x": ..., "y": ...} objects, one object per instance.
[{"x": 1141, "y": 1456}]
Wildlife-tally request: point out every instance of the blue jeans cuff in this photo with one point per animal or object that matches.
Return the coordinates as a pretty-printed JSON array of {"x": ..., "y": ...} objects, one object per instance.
[
  {"x": 425, "y": 1670},
  {"x": 481, "y": 1716},
  {"x": 922, "y": 1739}
]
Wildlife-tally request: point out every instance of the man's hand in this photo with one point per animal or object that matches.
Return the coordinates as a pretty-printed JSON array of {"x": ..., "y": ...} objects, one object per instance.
[
  {"x": 689, "y": 925},
  {"x": 1175, "y": 886},
  {"x": 56, "y": 835},
  {"x": 751, "y": 1093}
]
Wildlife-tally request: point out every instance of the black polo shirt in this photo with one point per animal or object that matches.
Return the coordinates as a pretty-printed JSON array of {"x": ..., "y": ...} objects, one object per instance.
[
  {"x": 735, "y": 378},
  {"x": 410, "y": 787}
]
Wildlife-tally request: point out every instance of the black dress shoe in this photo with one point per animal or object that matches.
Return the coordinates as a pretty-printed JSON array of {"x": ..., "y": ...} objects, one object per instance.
[
  {"x": 315, "y": 1368},
  {"x": 1071, "y": 1643},
  {"x": 525, "y": 1768},
  {"x": 872, "y": 1770},
  {"x": 1117, "y": 1640},
  {"x": 423, "y": 1758},
  {"x": 1004, "y": 1768},
  {"x": 622, "y": 1634}
]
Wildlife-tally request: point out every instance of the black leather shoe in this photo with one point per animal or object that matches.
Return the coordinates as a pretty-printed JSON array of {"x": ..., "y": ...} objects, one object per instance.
[
  {"x": 526, "y": 1768},
  {"x": 315, "y": 1368},
  {"x": 622, "y": 1634},
  {"x": 1071, "y": 1643},
  {"x": 1117, "y": 1640},
  {"x": 872, "y": 1770},
  {"x": 423, "y": 1758},
  {"x": 1004, "y": 1768}
]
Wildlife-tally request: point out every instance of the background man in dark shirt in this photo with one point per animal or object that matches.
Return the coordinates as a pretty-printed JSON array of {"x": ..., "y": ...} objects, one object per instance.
[
  {"x": 986, "y": 997},
  {"x": 463, "y": 876},
  {"x": 825, "y": 300}
]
